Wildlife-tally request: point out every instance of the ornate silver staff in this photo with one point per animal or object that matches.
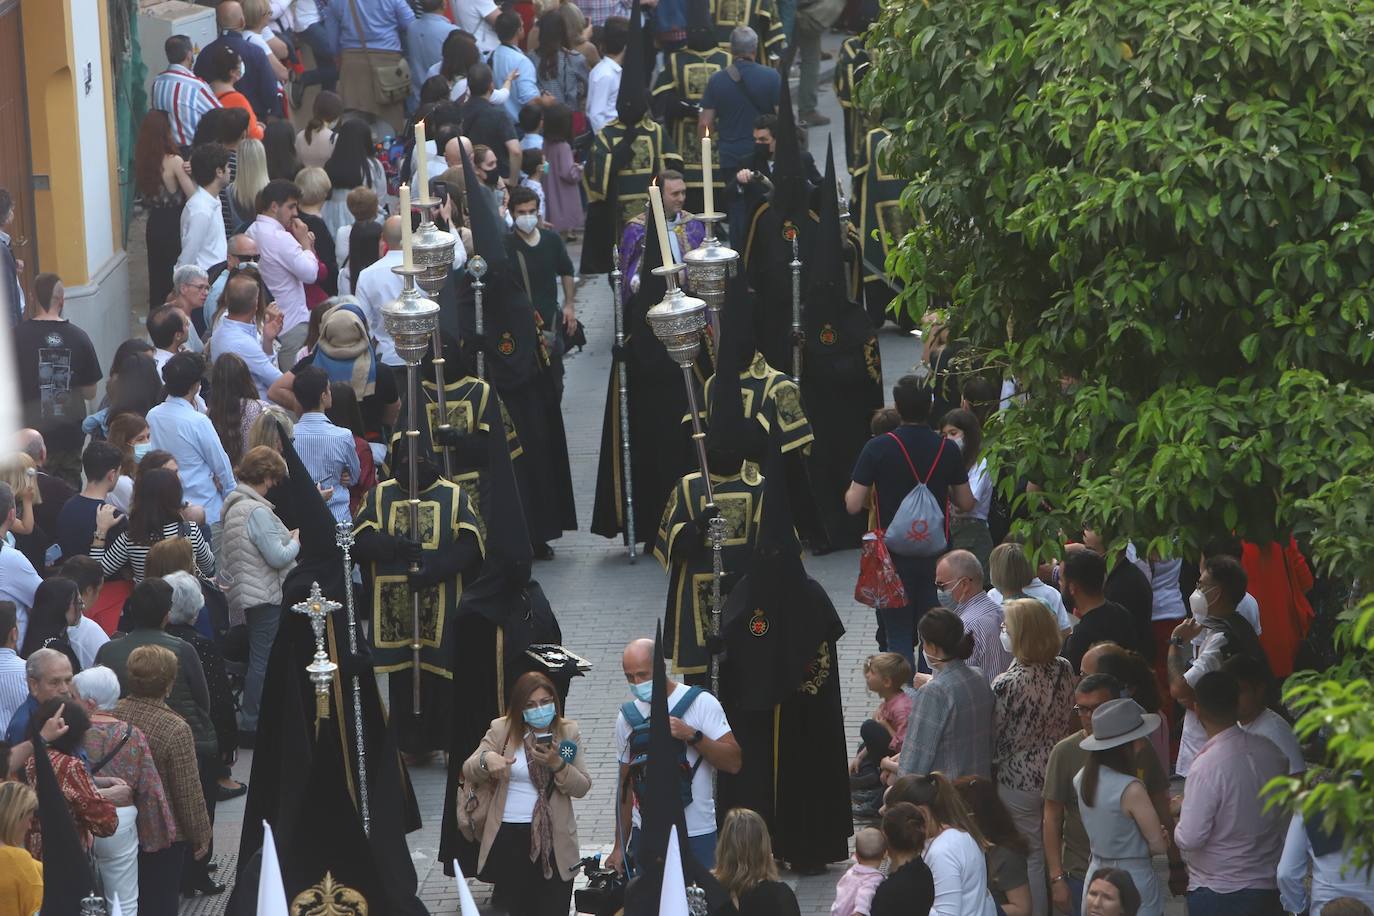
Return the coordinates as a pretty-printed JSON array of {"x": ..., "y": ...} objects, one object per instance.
[
  {"x": 709, "y": 268},
  {"x": 790, "y": 233},
  {"x": 432, "y": 251},
  {"x": 477, "y": 266},
  {"x": 678, "y": 321},
  {"x": 623, "y": 374},
  {"x": 411, "y": 321},
  {"x": 321, "y": 670},
  {"x": 343, "y": 536}
]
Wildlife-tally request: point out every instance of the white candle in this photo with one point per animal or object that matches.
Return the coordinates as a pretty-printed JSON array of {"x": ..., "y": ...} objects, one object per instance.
[
  {"x": 707, "y": 183},
  {"x": 664, "y": 248},
  {"x": 405, "y": 224},
  {"x": 422, "y": 157}
]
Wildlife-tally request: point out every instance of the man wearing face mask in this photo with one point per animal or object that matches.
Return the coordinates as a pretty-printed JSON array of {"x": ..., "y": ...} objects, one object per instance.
[
  {"x": 959, "y": 587},
  {"x": 543, "y": 263},
  {"x": 1201, "y": 644},
  {"x": 708, "y": 745}
]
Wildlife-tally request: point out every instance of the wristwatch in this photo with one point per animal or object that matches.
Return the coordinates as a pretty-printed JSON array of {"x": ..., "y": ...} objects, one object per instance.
[
  {"x": 696, "y": 738},
  {"x": 1177, "y": 641}
]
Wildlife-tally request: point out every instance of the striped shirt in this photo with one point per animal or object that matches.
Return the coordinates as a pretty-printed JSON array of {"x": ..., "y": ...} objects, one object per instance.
[
  {"x": 185, "y": 97},
  {"x": 14, "y": 688},
  {"x": 328, "y": 453},
  {"x": 124, "y": 552}
]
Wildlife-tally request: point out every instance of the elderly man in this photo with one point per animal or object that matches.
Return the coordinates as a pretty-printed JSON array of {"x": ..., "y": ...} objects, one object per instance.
[
  {"x": 377, "y": 286},
  {"x": 236, "y": 332},
  {"x": 699, "y": 722},
  {"x": 240, "y": 250},
  {"x": 959, "y": 582},
  {"x": 48, "y": 674},
  {"x": 190, "y": 291},
  {"x": 736, "y": 96},
  {"x": 54, "y": 490}
]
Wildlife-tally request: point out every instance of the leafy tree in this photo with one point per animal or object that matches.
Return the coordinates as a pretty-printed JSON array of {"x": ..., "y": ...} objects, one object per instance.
[{"x": 1156, "y": 216}]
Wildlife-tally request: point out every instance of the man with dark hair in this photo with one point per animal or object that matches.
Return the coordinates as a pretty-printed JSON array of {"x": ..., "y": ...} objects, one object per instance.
[
  {"x": 1232, "y": 547},
  {"x": 287, "y": 261},
  {"x": 685, "y": 232},
  {"x": 424, "y": 42},
  {"x": 886, "y": 463},
  {"x": 1230, "y": 838},
  {"x": 179, "y": 92},
  {"x": 203, "y": 239},
  {"x": 1067, "y": 850},
  {"x": 179, "y": 428},
  {"x": 18, "y": 579},
  {"x": 87, "y": 513},
  {"x": 13, "y": 689},
  {"x": 488, "y": 124},
  {"x": 1082, "y": 576},
  {"x": 258, "y": 83},
  {"x": 507, "y": 58},
  {"x": 326, "y": 450},
  {"x": 544, "y": 263},
  {"x": 168, "y": 329},
  {"x": 11, "y": 290},
  {"x": 1256, "y": 686},
  {"x": 603, "y": 84},
  {"x": 1200, "y": 644},
  {"x": 58, "y": 370}
]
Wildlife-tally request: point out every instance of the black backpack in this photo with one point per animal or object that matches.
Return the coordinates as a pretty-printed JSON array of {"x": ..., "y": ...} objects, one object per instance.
[{"x": 639, "y": 744}]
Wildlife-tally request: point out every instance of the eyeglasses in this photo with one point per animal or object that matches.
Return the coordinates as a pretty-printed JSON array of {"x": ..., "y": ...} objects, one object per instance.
[
  {"x": 1084, "y": 709},
  {"x": 949, "y": 586},
  {"x": 200, "y": 287}
]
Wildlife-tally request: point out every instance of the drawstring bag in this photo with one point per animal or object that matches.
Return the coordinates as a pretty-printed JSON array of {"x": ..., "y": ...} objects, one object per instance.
[{"x": 918, "y": 527}]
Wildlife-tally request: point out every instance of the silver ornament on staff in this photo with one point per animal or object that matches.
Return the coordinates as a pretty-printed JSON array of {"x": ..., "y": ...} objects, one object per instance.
[
  {"x": 709, "y": 267},
  {"x": 321, "y": 670},
  {"x": 477, "y": 267},
  {"x": 432, "y": 251},
  {"x": 677, "y": 322},
  {"x": 623, "y": 378},
  {"x": 411, "y": 321},
  {"x": 343, "y": 537},
  {"x": 790, "y": 233}
]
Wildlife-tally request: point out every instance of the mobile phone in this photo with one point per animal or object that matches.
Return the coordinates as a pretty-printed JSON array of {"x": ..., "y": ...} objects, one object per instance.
[
  {"x": 438, "y": 189},
  {"x": 543, "y": 739}
]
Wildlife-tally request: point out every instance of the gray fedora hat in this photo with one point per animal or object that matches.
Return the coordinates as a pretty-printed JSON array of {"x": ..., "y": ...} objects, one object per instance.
[{"x": 1118, "y": 722}]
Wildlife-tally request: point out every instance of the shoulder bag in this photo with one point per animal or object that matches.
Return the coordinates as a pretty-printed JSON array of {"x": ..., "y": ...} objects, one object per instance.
[
  {"x": 474, "y": 804},
  {"x": 391, "y": 80}
]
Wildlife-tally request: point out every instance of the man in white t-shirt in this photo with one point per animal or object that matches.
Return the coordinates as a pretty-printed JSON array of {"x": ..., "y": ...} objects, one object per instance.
[
  {"x": 709, "y": 745},
  {"x": 478, "y": 19},
  {"x": 1255, "y": 684}
]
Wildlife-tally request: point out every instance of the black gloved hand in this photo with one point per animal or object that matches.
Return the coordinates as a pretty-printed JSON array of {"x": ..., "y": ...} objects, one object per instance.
[
  {"x": 357, "y": 664},
  {"x": 419, "y": 579},
  {"x": 477, "y": 341},
  {"x": 408, "y": 550},
  {"x": 715, "y": 645},
  {"x": 618, "y": 352},
  {"x": 447, "y": 438}
]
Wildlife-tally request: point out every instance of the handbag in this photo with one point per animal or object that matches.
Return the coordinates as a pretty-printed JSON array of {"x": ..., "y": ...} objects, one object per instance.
[
  {"x": 879, "y": 586},
  {"x": 474, "y": 806},
  {"x": 391, "y": 80}
]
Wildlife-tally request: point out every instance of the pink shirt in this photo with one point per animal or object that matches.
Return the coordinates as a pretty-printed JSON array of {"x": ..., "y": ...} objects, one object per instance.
[
  {"x": 854, "y": 892},
  {"x": 286, "y": 268},
  {"x": 1228, "y": 840},
  {"x": 897, "y": 710}
]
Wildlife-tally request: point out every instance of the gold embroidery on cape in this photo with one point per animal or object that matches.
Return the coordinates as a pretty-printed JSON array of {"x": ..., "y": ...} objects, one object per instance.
[
  {"x": 790, "y": 414},
  {"x": 392, "y": 612},
  {"x": 459, "y": 416},
  {"x": 819, "y": 669},
  {"x": 872, "y": 361},
  {"x": 737, "y": 509},
  {"x": 399, "y": 522},
  {"x": 329, "y": 898}
]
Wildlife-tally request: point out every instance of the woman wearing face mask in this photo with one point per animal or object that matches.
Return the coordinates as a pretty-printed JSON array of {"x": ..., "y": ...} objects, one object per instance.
[
  {"x": 969, "y": 530},
  {"x": 952, "y": 715},
  {"x": 128, "y": 433},
  {"x": 1034, "y": 710},
  {"x": 536, "y": 758}
]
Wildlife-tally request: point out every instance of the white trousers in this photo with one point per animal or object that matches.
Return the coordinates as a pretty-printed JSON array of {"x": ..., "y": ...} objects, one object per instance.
[
  {"x": 1026, "y": 810},
  {"x": 117, "y": 859}
]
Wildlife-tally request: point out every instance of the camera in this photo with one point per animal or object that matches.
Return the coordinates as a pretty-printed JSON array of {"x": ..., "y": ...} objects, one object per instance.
[{"x": 604, "y": 894}]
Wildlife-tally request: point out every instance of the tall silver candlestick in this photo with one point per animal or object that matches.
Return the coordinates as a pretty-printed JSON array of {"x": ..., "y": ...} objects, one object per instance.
[
  {"x": 790, "y": 233},
  {"x": 709, "y": 267},
  {"x": 432, "y": 250}
]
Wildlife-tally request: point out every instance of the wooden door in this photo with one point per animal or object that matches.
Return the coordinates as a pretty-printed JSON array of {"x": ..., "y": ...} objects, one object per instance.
[{"x": 16, "y": 173}]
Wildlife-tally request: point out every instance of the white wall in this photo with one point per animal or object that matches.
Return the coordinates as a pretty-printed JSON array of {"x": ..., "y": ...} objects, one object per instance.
[{"x": 96, "y": 156}]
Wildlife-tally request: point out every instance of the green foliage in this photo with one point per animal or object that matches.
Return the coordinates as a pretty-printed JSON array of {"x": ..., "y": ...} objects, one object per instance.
[{"x": 1156, "y": 216}]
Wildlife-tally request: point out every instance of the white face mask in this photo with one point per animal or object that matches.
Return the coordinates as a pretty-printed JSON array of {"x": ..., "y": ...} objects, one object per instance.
[
  {"x": 527, "y": 222},
  {"x": 1006, "y": 640},
  {"x": 1197, "y": 603}
]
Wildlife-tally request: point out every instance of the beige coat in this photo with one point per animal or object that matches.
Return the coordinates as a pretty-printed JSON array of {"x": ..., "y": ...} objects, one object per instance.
[{"x": 570, "y": 782}]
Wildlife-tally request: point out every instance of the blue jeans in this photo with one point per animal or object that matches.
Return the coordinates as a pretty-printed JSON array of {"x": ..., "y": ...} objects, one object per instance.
[
  {"x": 1075, "y": 895},
  {"x": 1251, "y": 902},
  {"x": 703, "y": 849},
  {"x": 326, "y": 72},
  {"x": 262, "y": 632},
  {"x": 897, "y": 626}
]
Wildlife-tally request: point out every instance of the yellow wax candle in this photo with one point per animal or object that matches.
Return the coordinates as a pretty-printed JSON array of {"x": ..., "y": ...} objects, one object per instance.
[
  {"x": 422, "y": 158},
  {"x": 656, "y": 196},
  {"x": 405, "y": 224},
  {"x": 707, "y": 183}
]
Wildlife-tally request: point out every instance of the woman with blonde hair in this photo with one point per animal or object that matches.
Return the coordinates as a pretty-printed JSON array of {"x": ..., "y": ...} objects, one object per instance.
[
  {"x": 1012, "y": 576},
  {"x": 19, "y": 471},
  {"x": 248, "y": 181},
  {"x": 1034, "y": 703},
  {"x": 315, "y": 190},
  {"x": 21, "y": 876},
  {"x": 745, "y": 867}
]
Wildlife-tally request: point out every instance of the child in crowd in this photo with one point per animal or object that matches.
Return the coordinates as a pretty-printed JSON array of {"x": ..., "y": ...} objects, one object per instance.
[
  {"x": 854, "y": 892},
  {"x": 563, "y": 180},
  {"x": 532, "y": 126},
  {"x": 364, "y": 207},
  {"x": 889, "y": 676},
  {"x": 885, "y": 420},
  {"x": 532, "y": 175}
]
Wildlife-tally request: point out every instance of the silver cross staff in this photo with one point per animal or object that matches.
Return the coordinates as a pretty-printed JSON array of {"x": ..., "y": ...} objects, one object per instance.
[
  {"x": 321, "y": 670},
  {"x": 343, "y": 537}
]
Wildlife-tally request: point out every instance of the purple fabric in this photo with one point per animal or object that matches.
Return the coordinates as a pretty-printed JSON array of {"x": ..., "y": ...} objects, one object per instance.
[
  {"x": 563, "y": 188},
  {"x": 689, "y": 235}
]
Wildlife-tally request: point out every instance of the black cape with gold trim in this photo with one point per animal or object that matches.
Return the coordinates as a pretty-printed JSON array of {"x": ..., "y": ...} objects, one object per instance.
[
  {"x": 677, "y": 98},
  {"x": 882, "y": 221},
  {"x": 760, "y": 15},
  {"x": 286, "y": 726},
  {"x": 780, "y": 686}
]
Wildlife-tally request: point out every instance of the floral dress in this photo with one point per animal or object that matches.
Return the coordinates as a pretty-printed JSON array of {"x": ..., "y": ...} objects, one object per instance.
[
  {"x": 1034, "y": 710},
  {"x": 133, "y": 763}
]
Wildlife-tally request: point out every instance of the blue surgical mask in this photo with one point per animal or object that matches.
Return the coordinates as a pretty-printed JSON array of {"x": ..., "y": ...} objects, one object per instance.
[
  {"x": 946, "y": 599},
  {"x": 142, "y": 449},
  {"x": 541, "y": 715},
  {"x": 644, "y": 692}
]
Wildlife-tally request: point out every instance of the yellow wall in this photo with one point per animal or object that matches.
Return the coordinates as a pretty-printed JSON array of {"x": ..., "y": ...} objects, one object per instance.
[{"x": 56, "y": 141}]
